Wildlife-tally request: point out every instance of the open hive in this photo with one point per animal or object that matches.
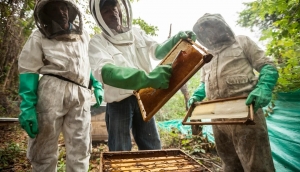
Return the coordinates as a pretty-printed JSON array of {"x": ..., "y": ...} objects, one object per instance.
[{"x": 154, "y": 160}]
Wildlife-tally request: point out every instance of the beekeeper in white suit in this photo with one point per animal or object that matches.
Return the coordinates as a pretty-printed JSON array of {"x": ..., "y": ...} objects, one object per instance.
[
  {"x": 120, "y": 58},
  {"x": 60, "y": 100}
]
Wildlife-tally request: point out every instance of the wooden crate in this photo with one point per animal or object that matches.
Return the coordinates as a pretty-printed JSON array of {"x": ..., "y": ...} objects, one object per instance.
[
  {"x": 149, "y": 161},
  {"x": 98, "y": 129}
]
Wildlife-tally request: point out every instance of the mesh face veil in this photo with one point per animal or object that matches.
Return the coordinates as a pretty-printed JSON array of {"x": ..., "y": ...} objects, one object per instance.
[
  {"x": 213, "y": 32},
  {"x": 125, "y": 14},
  {"x": 52, "y": 29}
]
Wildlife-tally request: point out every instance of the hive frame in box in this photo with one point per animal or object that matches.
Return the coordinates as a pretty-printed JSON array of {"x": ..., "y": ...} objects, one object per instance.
[
  {"x": 149, "y": 160},
  {"x": 248, "y": 120},
  {"x": 186, "y": 58}
]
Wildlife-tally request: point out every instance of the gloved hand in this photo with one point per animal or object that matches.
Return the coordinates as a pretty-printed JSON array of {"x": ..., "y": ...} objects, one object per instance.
[
  {"x": 163, "y": 49},
  {"x": 28, "y": 93},
  {"x": 98, "y": 90},
  {"x": 262, "y": 93},
  {"x": 198, "y": 95},
  {"x": 160, "y": 76},
  {"x": 134, "y": 79}
]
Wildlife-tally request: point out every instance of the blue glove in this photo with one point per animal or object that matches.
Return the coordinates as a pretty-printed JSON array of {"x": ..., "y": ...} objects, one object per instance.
[{"x": 98, "y": 91}]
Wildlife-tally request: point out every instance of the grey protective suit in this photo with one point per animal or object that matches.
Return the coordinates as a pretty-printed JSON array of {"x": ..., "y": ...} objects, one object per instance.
[
  {"x": 230, "y": 74},
  {"x": 62, "y": 106}
]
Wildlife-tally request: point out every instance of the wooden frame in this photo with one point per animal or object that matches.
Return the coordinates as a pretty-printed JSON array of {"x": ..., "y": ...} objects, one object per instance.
[
  {"x": 149, "y": 160},
  {"x": 248, "y": 120},
  {"x": 186, "y": 58}
]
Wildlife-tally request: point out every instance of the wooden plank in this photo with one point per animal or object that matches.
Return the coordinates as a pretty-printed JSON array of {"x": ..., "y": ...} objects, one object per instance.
[
  {"x": 9, "y": 120},
  {"x": 145, "y": 159}
]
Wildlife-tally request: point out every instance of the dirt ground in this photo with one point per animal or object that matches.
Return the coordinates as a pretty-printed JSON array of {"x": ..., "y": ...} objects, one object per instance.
[{"x": 13, "y": 144}]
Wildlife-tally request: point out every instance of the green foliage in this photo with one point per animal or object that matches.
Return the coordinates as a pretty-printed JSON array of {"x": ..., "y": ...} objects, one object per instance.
[
  {"x": 175, "y": 107},
  {"x": 61, "y": 164},
  {"x": 192, "y": 145},
  {"x": 11, "y": 154},
  {"x": 194, "y": 82},
  {"x": 278, "y": 22},
  {"x": 8, "y": 154},
  {"x": 149, "y": 29}
]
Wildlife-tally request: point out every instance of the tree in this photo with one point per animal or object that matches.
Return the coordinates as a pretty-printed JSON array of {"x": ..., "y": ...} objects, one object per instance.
[
  {"x": 278, "y": 21},
  {"x": 15, "y": 26}
]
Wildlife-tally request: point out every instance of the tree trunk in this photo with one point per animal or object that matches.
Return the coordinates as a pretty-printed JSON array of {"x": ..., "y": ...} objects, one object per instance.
[{"x": 185, "y": 92}]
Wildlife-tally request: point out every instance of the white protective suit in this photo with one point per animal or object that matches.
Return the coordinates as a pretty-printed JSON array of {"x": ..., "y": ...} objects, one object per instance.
[
  {"x": 136, "y": 55},
  {"x": 62, "y": 106},
  {"x": 130, "y": 49},
  {"x": 229, "y": 74}
]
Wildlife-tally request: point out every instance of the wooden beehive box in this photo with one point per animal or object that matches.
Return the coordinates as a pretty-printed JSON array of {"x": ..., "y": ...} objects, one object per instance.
[
  {"x": 186, "y": 58},
  {"x": 98, "y": 129},
  {"x": 146, "y": 161}
]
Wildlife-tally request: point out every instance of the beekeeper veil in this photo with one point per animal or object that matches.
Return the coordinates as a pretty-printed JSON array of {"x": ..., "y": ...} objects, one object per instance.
[
  {"x": 213, "y": 32},
  {"x": 122, "y": 11},
  {"x": 52, "y": 29}
]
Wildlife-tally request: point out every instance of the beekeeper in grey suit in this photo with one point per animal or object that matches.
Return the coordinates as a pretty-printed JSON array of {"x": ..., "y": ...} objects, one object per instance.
[
  {"x": 60, "y": 100},
  {"x": 229, "y": 74}
]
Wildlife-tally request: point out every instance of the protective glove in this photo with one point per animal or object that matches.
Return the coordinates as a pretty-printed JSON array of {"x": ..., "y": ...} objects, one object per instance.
[
  {"x": 262, "y": 93},
  {"x": 134, "y": 79},
  {"x": 98, "y": 90},
  {"x": 28, "y": 93},
  {"x": 163, "y": 49},
  {"x": 198, "y": 95}
]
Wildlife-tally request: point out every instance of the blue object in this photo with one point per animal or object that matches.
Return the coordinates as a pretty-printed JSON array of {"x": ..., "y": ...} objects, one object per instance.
[{"x": 283, "y": 129}]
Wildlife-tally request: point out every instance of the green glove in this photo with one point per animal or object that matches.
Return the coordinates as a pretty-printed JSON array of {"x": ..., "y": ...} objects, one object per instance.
[
  {"x": 134, "y": 79},
  {"x": 163, "y": 49},
  {"x": 28, "y": 93},
  {"x": 98, "y": 90},
  {"x": 262, "y": 94},
  {"x": 198, "y": 95}
]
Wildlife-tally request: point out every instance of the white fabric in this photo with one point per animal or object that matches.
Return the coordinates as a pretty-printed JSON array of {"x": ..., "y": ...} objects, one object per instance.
[
  {"x": 62, "y": 106},
  {"x": 68, "y": 59},
  {"x": 136, "y": 55},
  {"x": 231, "y": 71}
]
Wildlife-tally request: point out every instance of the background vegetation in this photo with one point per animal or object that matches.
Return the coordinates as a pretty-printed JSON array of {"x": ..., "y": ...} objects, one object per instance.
[{"x": 278, "y": 22}]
